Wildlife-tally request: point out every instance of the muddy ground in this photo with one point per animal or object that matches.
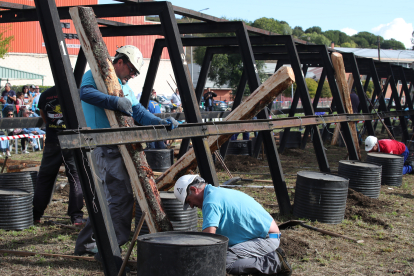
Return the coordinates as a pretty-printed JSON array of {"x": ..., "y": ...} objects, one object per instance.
[{"x": 384, "y": 224}]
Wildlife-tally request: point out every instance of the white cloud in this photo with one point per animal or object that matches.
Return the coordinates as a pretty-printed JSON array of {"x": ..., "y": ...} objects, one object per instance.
[
  {"x": 397, "y": 29},
  {"x": 349, "y": 31}
]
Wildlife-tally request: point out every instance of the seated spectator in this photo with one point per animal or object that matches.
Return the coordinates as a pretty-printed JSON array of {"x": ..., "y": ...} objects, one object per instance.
[
  {"x": 16, "y": 131},
  {"x": 175, "y": 98},
  {"x": 4, "y": 145},
  {"x": 9, "y": 96},
  {"x": 36, "y": 97},
  {"x": 33, "y": 131}
]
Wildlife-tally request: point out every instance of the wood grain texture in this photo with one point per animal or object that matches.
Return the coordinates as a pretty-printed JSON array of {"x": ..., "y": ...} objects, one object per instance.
[
  {"x": 106, "y": 80},
  {"x": 344, "y": 89},
  {"x": 258, "y": 100}
]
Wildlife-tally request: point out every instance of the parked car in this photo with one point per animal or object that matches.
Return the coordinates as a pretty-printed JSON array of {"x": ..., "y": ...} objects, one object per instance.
[{"x": 219, "y": 106}]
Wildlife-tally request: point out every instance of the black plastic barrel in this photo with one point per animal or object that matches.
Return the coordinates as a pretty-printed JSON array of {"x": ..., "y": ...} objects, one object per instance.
[
  {"x": 240, "y": 147},
  {"x": 320, "y": 196},
  {"x": 160, "y": 159},
  {"x": 181, "y": 220},
  {"x": 294, "y": 140},
  {"x": 15, "y": 209},
  {"x": 363, "y": 177},
  {"x": 24, "y": 181},
  {"x": 181, "y": 253},
  {"x": 392, "y": 166}
]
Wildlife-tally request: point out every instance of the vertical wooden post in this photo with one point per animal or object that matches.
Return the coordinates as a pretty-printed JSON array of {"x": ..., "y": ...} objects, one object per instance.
[{"x": 340, "y": 76}]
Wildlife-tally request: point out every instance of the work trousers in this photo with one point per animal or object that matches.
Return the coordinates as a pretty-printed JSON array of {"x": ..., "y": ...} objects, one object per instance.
[
  {"x": 406, "y": 168},
  {"x": 53, "y": 157},
  {"x": 118, "y": 192},
  {"x": 254, "y": 256}
]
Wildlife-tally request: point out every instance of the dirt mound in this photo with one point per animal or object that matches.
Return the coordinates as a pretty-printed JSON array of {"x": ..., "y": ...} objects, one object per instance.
[
  {"x": 293, "y": 245},
  {"x": 362, "y": 206},
  {"x": 240, "y": 163}
]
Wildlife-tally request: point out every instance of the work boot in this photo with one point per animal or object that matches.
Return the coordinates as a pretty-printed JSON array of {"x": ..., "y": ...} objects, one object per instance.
[
  {"x": 90, "y": 249},
  {"x": 286, "y": 269}
]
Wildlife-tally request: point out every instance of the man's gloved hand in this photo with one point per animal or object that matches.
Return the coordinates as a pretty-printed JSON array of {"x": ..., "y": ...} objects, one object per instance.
[
  {"x": 170, "y": 122},
  {"x": 124, "y": 105}
]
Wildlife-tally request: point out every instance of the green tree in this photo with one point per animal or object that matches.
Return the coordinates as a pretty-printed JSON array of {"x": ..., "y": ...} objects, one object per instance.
[
  {"x": 270, "y": 24},
  {"x": 312, "y": 87},
  {"x": 297, "y": 31},
  {"x": 314, "y": 29},
  {"x": 316, "y": 38},
  {"x": 5, "y": 41},
  {"x": 326, "y": 90},
  {"x": 392, "y": 44}
]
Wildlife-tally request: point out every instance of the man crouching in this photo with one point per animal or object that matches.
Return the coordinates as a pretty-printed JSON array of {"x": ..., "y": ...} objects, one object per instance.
[{"x": 253, "y": 234}]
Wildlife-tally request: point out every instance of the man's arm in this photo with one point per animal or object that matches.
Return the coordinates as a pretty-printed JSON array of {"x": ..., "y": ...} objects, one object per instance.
[
  {"x": 213, "y": 94},
  {"x": 211, "y": 230},
  {"x": 92, "y": 96},
  {"x": 43, "y": 115}
]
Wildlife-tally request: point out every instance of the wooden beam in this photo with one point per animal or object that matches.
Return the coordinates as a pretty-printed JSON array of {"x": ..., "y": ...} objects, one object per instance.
[
  {"x": 340, "y": 76},
  {"x": 103, "y": 72},
  {"x": 258, "y": 100}
]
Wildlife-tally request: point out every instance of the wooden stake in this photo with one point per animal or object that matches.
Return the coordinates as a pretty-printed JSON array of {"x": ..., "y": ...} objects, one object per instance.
[
  {"x": 103, "y": 72},
  {"x": 27, "y": 254},
  {"x": 340, "y": 76},
  {"x": 131, "y": 246},
  {"x": 258, "y": 100}
]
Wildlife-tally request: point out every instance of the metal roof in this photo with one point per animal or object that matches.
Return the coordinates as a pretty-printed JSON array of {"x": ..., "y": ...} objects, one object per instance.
[
  {"x": 10, "y": 73},
  {"x": 396, "y": 56}
]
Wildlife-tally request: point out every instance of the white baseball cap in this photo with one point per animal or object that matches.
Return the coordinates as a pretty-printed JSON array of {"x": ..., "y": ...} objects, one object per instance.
[
  {"x": 180, "y": 188},
  {"x": 370, "y": 142}
]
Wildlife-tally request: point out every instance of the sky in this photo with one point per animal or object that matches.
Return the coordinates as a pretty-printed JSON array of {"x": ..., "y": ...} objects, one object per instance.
[{"x": 390, "y": 19}]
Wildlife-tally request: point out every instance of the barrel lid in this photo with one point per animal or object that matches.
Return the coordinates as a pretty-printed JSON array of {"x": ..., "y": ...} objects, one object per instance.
[
  {"x": 183, "y": 238},
  {"x": 13, "y": 192},
  {"x": 167, "y": 195},
  {"x": 321, "y": 176},
  {"x": 384, "y": 155},
  {"x": 359, "y": 164}
]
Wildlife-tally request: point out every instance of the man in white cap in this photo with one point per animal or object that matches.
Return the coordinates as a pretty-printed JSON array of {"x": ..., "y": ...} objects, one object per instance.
[
  {"x": 372, "y": 144},
  {"x": 111, "y": 168},
  {"x": 253, "y": 234}
]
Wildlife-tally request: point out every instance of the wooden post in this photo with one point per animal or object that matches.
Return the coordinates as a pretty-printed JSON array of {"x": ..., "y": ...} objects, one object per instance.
[
  {"x": 258, "y": 100},
  {"x": 340, "y": 76},
  {"x": 103, "y": 72}
]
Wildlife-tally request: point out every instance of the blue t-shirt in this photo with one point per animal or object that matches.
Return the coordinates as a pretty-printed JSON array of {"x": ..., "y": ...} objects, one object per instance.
[
  {"x": 154, "y": 107},
  {"x": 235, "y": 214},
  {"x": 95, "y": 116}
]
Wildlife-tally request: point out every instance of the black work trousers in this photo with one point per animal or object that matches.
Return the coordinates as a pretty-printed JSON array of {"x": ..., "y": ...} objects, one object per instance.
[{"x": 53, "y": 157}]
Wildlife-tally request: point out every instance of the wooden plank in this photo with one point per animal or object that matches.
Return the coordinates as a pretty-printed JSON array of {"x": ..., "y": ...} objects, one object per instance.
[
  {"x": 103, "y": 72},
  {"x": 258, "y": 100},
  {"x": 340, "y": 76}
]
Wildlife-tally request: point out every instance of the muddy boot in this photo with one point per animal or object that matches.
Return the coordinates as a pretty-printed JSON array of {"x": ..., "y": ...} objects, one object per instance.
[{"x": 286, "y": 269}]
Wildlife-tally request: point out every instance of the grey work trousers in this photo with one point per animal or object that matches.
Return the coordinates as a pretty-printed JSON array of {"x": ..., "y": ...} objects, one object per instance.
[
  {"x": 118, "y": 191},
  {"x": 254, "y": 256}
]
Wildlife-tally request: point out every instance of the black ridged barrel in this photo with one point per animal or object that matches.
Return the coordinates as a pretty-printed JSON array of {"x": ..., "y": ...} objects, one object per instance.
[
  {"x": 24, "y": 181},
  {"x": 181, "y": 254},
  {"x": 294, "y": 140},
  {"x": 240, "y": 147},
  {"x": 320, "y": 196},
  {"x": 392, "y": 166},
  {"x": 363, "y": 177},
  {"x": 15, "y": 209},
  {"x": 181, "y": 220},
  {"x": 160, "y": 160}
]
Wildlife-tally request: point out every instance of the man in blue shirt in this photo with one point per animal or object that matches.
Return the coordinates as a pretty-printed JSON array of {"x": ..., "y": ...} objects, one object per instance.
[
  {"x": 253, "y": 234},
  {"x": 154, "y": 107},
  {"x": 111, "y": 168}
]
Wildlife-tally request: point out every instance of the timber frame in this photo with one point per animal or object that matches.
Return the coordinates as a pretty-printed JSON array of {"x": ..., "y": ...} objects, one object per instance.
[{"x": 264, "y": 45}]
